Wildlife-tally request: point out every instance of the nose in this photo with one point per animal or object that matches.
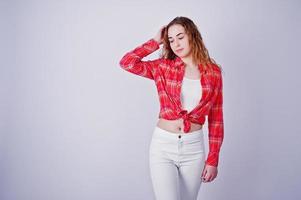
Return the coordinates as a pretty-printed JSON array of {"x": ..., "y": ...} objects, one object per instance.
[{"x": 176, "y": 43}]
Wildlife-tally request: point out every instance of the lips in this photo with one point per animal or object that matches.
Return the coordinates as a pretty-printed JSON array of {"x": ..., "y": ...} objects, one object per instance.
[{"x": 179, "y": 50}]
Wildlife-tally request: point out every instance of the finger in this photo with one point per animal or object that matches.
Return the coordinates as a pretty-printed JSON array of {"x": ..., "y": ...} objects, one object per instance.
[
  {"x": 212, "y": 177},
  {"x": 203, "y": 177},
  {"x": 204, "y": 180},
  {"x": 208, "y": 177},
  {"x": 204, "y": 172}
]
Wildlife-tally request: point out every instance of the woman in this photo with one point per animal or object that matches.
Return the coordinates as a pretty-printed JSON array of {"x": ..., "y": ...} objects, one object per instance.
[{"x": 189, "y": 85}]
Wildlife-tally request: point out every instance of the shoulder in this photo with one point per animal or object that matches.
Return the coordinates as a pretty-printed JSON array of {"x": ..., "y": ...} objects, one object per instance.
[
  {"x": 165, "y": 64},
  {"x": 216, "y": 70},
  {"x": 216, "y": 74},
  {"x": 158, "y": 62}
]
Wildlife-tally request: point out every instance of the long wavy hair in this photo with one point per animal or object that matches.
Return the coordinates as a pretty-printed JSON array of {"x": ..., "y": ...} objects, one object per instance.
[{"x": 200, "y": 54}]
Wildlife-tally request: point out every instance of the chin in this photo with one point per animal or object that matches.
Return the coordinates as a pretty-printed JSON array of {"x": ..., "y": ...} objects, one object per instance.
[{"x": 183, "y": 56}]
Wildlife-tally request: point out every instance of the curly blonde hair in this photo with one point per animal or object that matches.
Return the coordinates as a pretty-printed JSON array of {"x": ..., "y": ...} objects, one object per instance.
[{"x": 200, "y": 54}]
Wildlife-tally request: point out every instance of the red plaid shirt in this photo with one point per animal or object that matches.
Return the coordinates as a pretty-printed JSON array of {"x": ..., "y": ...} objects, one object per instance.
[{"x": 168, "y": 76}]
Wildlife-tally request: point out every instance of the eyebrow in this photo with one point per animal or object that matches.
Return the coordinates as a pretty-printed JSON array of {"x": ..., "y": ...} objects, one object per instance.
[{"x": 176, "y": 35}]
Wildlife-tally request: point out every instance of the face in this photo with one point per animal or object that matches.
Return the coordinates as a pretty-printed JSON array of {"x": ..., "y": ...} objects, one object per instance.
[{"x": 178, "y": 40}]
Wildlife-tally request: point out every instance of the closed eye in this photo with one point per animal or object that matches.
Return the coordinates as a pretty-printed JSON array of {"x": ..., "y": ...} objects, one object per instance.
[{"x": 179, "y": 38}]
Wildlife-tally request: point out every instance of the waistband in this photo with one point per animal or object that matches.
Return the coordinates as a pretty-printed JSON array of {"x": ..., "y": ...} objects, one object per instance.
[{"x": 161, "y": 133}]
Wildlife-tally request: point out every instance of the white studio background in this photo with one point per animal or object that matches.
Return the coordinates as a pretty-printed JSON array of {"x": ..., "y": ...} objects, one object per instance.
[{"x": 74, "y": 125}]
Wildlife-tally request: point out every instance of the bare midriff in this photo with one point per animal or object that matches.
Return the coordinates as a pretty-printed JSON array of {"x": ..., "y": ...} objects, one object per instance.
[{"x": 176, "y": 126}]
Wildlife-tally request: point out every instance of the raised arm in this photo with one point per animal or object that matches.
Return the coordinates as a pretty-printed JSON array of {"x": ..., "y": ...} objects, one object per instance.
[
  {"x": 132, "y": 61},
  {"x": 216, "y": 125}
]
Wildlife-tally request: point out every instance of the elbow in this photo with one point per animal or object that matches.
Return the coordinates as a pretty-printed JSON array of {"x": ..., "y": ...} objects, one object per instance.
[
  {"x": 125, "y": 62},
  {"x": 122, "y": 63}
]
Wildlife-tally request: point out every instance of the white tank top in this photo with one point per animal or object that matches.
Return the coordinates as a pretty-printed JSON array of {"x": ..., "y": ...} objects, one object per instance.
[{"x": 191, "y": 93}]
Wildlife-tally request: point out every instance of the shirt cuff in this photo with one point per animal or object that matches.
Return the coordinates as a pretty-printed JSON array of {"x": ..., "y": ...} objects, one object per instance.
[{"x": 212, "y": 159}]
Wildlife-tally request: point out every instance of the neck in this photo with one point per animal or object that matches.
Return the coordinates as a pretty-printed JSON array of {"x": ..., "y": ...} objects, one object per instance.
[{"x": 189, "y": 62}]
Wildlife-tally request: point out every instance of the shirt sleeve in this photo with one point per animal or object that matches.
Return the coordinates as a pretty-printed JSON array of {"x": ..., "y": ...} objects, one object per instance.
[
  {"x": 216, "y": 125},
  {"x": 132, "y": 61}
]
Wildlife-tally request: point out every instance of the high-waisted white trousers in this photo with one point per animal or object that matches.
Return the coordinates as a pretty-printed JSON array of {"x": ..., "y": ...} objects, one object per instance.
[{"x": 176, "y": 162}]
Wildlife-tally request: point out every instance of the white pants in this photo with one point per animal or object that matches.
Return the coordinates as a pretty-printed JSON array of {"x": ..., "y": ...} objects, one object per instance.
[{"x": 176, "y": 164}]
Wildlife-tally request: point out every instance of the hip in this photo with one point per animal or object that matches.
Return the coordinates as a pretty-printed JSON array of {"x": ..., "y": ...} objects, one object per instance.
[{"x": 185, "y": 144}]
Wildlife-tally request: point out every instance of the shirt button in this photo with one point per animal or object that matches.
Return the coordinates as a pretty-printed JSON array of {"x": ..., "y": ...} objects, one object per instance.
[{"x": 179, "y": 136}]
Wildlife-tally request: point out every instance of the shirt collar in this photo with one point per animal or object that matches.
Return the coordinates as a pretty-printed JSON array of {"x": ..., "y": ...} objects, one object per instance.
[{"x": 178, "y": 61}]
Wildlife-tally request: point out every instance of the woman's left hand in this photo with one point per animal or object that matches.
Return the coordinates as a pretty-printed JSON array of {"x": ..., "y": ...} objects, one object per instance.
[{"x": 209, "y": 173}]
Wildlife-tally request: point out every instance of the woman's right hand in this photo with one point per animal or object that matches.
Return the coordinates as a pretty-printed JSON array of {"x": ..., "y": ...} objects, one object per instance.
[{"x": 159, "y": 36}]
